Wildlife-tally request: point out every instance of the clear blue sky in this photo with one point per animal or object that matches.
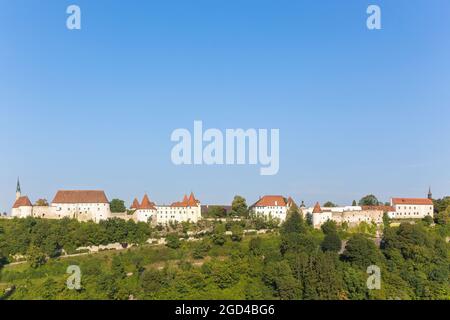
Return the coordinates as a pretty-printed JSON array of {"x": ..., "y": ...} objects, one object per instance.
[{"x": 359, "y": 111}]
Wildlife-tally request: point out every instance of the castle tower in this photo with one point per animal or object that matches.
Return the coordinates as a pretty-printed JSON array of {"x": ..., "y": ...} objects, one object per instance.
[
  {"x": 18, "y": 192},
  {"x": 430, "y": 195}
]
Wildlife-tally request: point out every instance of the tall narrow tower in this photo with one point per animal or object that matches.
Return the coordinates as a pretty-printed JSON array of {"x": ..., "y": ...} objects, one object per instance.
[
  {"x": 430, "y": 195},
  {"x": 18, "y": 192}
]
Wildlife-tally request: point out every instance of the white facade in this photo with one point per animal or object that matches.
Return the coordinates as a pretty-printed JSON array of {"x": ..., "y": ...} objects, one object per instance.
[
  {"x": 272, "y": 207},
  {"x": 274, "y": 212},
  {"x": 167, "y": 214},
  {"x": 411, "y": 208},
  {"x": 81, "y": 211},
  {"x": 22, "y": 212},
  {"x": 188, "y": 210}
]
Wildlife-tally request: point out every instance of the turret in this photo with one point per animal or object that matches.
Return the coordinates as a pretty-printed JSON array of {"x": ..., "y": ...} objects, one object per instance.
[{"x": 18, "y": 192}]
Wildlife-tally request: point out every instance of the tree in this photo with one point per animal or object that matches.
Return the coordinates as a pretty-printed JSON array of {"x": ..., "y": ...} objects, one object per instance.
[
  {"x": 117, "y": 206},
  {"x": 331, "y": 242},
  {"x": 201, "y": 250},
  {"x": 117, "y": 268},
  {"x": 428, "y": 220},
  {"x": 441, "y": 205},
  {"x": 151, "y": 281},
  {"x": 219, "y": 239},
  {"x": 172, "y": 241},
  {"x": 329, "y": 204},
  {"x": 238, "y": 232},
  {"x": 255, "y": 246},
  {"x": 443, "y": 217},
  {"x": 361, "y": 251},
  {"x": 239, "y": 207},
  {"x": 217, "y": 212},
  {"x": 329, "y": 227},
  {"x": 41, "y": 203},
  {"x": 36, "y": 257},
  {"x": 294, "y": 222},
  {"x": 386, "y": 220},
  {"x": 354, "y": 204},
  {"x": 369, "y": 200}
]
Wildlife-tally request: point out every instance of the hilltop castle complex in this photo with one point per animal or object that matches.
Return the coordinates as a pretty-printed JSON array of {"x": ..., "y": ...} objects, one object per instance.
[{"x": 93, "y": 205}]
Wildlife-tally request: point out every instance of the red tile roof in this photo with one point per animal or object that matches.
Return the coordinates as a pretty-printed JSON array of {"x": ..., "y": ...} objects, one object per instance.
[
  {"x": 135, "y": 204},
  {"x": 146, "y": 204},
  {"x": 187, "y": 202},
  {"x": 317, "y": 208},
  {"x": 80, "y": 196},
  {"x": 412, "y": 201},
  {"x": 22, "y": 202},
  {"x": 379, "y": 208},
  {"x": 271, "y": 201}
]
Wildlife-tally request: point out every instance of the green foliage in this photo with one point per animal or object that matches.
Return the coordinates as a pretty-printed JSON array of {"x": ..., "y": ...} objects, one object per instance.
[
  {"x": 361, "y": 251},
  {"x": 329, "y": 227},
  {"x": 294, "y": 222},
  {"x": 443, "y": 217},
  {"x": 428, "y": 220},
  {"x": 386, "y": 220},
  {"x": 255, "y": 246},
  {"x": 331, "y": 242},
  {"x": 217, "y": 212},
  {"x": 36, "y": 257},
  {"x": 173, "y": 241},
  {"x": 329, "y": 204},
  {"x": 369, "y": 200},
  {"x": 414, "y": 260},
  {"x": 117, "y": 206},
  {"x": 201, "y": 250},
  {"x": 239, "y": 207},
  {"x": 238, "y": 232}
]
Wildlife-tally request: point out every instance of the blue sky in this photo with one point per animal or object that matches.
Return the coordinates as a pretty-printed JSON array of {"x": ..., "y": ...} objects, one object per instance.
[{"x": 359, "y": 111}]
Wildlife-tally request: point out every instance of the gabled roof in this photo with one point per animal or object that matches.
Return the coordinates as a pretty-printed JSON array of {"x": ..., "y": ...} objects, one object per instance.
[
  {"x": 412, "y": 201},
  {"x": 271, "y": 201},
  {"x": 379, "y": 208},
  {"x": 317, "y": 208},
  {"x": 22, "y": 202},
  {"x": 291, "y": 202},
  {"x": 135, "y": 204},
  {"x": 146, "y": 204},
  {"x": 80, "y": 196},
  {"x": 187, "y": 202}
]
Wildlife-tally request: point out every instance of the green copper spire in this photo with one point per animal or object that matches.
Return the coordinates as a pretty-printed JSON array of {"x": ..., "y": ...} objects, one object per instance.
[{"x": 18, "y": 185}]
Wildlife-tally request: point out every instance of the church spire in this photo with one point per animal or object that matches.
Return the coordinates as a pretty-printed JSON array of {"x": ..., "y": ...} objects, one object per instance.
[
  {"x": 18, "y": 191},
  {"x": 430, "y": 195}
]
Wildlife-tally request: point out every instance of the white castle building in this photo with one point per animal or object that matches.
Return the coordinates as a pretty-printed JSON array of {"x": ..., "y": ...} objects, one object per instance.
[
  {"x": 83, "y": 205},
  {"x": 187, "y": 210},
  {"x": 272, "y": 207},
  {"x": 352, "y": 215},
  {"x": 400, "y": 208},
  {"x": 411, "y": 208}
]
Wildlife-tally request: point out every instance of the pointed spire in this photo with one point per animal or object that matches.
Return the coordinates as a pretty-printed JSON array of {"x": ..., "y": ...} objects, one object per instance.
[
  {"x": 135, "y": 204},
  {"x": 317, "y": 208},
  {"x": 192, "y": 201},
  {"x": 430, "y": 195},
  {"x": 146, "y": 204},
  {"x": 18, "y": 191}
]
